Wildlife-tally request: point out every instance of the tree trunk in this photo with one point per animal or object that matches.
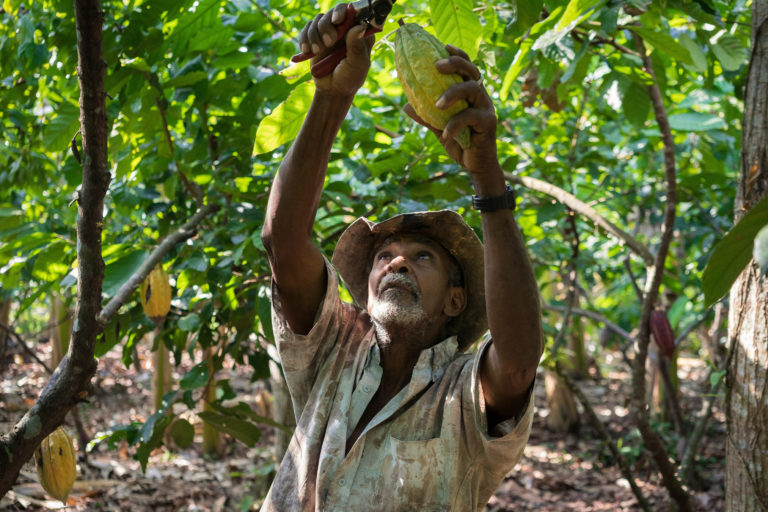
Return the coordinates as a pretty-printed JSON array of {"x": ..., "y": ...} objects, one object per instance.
[
  {"x": 212, "y": 445},
  {"x": 747, "y": 377},
  {"x": 161, "y": 365},
  {"x": 563, "y": 415}
]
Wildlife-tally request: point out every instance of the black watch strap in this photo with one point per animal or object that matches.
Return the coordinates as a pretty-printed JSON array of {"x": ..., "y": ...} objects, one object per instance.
[{"x": 491, "y": 204}]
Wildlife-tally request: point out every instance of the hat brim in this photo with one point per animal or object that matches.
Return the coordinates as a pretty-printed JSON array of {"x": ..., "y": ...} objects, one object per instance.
[{"x": 354, "y": 253}]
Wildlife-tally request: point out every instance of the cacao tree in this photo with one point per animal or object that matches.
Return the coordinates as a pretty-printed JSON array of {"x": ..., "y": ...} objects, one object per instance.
[{"x": 201, "y": 102}]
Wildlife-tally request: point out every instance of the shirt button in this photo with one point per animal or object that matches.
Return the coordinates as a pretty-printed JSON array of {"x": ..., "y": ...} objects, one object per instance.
[
  {"x": 367, "y": 388},
  {"x": 342, "y": 482}
]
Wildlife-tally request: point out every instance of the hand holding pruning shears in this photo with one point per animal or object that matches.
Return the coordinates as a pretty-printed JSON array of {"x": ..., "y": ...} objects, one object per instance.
[{"x": 337, "y": 34}]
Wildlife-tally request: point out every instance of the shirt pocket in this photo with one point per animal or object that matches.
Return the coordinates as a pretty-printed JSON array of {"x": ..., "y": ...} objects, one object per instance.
[{"x": 418, "y": 474}]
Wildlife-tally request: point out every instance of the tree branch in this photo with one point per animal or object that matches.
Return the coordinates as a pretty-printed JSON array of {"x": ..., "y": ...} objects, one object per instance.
[
  {"x": 185, "y": 232},
  {"x": 594, "y": 316},
  {"x": 70, "y": 382},
  {"x": 584, "y": 209},
  {"x": 652, "y": 441}
]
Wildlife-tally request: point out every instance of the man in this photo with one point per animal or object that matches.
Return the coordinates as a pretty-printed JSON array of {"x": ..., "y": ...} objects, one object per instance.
[{"x": 390, "y": 414}]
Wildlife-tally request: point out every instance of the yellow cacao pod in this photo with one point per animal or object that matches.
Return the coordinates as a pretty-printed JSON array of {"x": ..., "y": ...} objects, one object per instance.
[
  {"x": 416, "y": 52},
  {"x": 56, "y": 465},
  {"x": 156, "y": 294}
]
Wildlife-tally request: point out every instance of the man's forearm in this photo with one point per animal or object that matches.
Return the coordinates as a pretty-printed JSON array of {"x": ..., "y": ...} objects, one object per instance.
[
  {"x": 296, "y": 190},
  {"x": 512, "y": 294}
]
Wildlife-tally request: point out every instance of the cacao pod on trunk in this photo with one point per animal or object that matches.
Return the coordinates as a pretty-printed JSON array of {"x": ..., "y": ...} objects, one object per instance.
[
  {"x": 56, "y": 464},
  {"x": 155, "y": 294},
  {"x": 662, "y": 332},
  {"x": 416, "y": 52}
]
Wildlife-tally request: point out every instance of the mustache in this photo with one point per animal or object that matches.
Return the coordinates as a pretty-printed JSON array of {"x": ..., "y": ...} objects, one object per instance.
[{"x": 399, "y": 281}]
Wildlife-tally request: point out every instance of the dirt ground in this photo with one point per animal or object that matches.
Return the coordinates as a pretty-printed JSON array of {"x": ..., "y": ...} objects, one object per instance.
[{"x": 559, "y": 472}]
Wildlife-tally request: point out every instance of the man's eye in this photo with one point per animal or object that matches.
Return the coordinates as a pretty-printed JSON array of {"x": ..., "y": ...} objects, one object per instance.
[
  {"x": 424, "y": 256},
  {"x": 383, "y": 256}
]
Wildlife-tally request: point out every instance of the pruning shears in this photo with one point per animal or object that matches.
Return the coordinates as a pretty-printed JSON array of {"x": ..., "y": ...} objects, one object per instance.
[{"x": 372, "y": 13}]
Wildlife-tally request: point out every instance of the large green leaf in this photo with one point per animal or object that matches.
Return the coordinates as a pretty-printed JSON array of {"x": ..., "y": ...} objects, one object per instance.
[
  {"x": 730, "y": 52},
  {"x": 575, "y": 10},
  {"x": 283, "y": 124},
  {"x": 664, "y": 43},
  {"x": 696, "y": 122},
  {"x": 732, "y": 253},
  {"x": 242, "y": 430},
  {"x": 60, "y": 130},
  {"x": 456, "y": 24},
  {"x": 117, "y": 272}
]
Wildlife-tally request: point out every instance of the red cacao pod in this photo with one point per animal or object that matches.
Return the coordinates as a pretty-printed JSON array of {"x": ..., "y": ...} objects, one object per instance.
[{"x": 662, "y": 332}]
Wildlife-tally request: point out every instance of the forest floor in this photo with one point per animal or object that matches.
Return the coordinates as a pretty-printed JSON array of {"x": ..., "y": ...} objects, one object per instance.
[{"x": 558, "y": 472}]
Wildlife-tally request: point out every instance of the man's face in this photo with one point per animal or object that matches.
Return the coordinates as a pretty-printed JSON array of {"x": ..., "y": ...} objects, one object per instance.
[{"x": 409, "y": 282}]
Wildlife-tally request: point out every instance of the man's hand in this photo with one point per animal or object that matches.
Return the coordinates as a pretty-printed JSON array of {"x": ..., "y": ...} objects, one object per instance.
[
  {"x": 320, "y": 34},
  {"x": 480, "y": 116}
]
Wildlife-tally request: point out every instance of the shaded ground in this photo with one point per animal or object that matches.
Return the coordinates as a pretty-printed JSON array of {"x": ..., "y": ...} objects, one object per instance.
[{"x": 559, "y": 472}]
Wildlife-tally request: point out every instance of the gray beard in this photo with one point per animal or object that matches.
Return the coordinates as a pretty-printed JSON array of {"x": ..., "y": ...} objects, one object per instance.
[{"x": 398, "y": 309}]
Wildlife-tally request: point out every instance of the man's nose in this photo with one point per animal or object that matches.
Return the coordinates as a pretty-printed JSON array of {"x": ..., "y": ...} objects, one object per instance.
[{"x": 399, "y": 265}]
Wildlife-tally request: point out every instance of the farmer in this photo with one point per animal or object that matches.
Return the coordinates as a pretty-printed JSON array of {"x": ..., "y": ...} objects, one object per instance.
[{"x": 392, "y": 414}]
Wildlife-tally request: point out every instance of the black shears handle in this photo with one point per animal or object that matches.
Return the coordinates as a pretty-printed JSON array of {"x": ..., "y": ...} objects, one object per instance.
[{"x": 372, "y": 13}]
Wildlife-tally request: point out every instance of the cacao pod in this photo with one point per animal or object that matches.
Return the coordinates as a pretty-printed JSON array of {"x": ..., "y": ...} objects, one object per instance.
[
  {"x": 662, "y": 332},
  {"x": 416, "y": 52},
  {"x": 56, "y": 465},
  {"x": 156, "y": 294}
]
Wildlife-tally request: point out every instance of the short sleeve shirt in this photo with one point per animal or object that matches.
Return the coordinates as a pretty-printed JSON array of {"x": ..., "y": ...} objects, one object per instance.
[{"x": 428, "y": 449}]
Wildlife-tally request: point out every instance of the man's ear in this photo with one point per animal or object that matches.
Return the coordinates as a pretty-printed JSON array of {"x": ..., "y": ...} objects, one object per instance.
[{"x": 455, "y": 301}]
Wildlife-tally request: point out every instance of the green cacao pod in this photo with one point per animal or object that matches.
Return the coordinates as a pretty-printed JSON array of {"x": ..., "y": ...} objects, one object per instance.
[
  {"x": 56, "y": 464},
  {"x": 416, "y": 52},
  {"x": 155, "y": 294}
]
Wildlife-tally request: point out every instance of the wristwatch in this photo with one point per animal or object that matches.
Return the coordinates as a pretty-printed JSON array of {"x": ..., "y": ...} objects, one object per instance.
[{"x": 491, "y": 204}]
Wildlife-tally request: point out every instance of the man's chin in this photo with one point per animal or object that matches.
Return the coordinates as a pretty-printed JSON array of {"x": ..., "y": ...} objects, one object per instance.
[{"x": 396, "y": 314}]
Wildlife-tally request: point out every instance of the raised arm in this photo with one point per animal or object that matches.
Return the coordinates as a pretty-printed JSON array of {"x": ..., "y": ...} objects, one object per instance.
[
  {"x": 511, "y": 292},
  {"x": 296, "y": 261}
]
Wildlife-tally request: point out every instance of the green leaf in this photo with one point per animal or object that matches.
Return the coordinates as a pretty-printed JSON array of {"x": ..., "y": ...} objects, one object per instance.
[
  {"x": 242, "y": 430},
  {"x": 575, "y": 10},
  {"x": 574, "y": 13},
  {"x": 528, "y": 13},
  {"x": 187, "y": 79},
  {"x": 730, "y": 52},
  {"x": 760, "y": 251},
  {"x": 456, "y": 24},
  {"x": 696, "y": 122},
  {"x": 182, "y": 432},
  {"x": 189, "y": 323},
  {"x": 636, "y": 104},
  {"x": 283, "y": 124},
  {"x": 699, "y": 60},
  {"x": 733, "y": 253},
  {"x": 243, "y": 410},
  {"x": 119, "y": 271},
  {"x": 196, "y": 377},
  {"x": 59, "y": 131},
  {"x": 664, "y": 43}
]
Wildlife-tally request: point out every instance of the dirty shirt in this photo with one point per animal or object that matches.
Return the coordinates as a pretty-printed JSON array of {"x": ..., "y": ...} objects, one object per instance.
[{"x": 428, "y": 449}]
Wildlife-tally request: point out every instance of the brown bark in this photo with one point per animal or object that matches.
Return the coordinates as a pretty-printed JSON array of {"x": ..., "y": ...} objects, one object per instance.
[
  {"x": 747, "y": 370},
  {"x": 71, "y": 381}
]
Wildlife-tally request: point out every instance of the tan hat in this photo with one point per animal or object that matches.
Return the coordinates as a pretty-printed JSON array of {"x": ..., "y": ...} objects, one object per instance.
[{"x": 355, "y": 249}]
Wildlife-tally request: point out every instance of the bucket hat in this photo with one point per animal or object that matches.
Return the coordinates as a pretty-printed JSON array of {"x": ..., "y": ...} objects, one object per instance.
[{"x": 355, "y": 249}]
